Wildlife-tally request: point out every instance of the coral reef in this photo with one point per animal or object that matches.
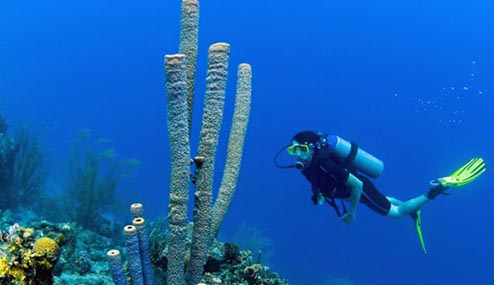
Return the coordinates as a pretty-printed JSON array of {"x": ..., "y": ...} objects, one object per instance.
[
  {"x": 225, "y": 263},
  {"x": 26, "y": 259},
  {"x": 44, "y": 253},
  {"x": 65, "y": 254},
  {"x": 83, "y": 258}
]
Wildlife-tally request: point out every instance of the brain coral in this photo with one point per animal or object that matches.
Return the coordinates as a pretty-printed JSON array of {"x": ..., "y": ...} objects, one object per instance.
[{"x": 47, "y": 248}]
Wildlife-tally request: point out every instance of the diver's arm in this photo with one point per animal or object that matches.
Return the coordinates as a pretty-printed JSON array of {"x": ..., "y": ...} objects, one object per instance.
[{"x": 355, "y": 186}]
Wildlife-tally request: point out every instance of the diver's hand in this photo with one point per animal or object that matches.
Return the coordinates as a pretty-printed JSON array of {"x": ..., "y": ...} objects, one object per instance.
[
  {"x": 318, "y": 199},
  {"x": 314, "y": 200},
  {"x": 348, "y": 218}
]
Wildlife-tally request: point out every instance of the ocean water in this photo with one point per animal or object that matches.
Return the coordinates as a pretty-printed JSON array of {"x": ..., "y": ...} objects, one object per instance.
[{"x": 410, "y": 82}]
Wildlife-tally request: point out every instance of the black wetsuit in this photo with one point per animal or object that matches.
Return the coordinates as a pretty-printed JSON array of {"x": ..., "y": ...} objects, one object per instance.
[{"x": 328, "y": 174}]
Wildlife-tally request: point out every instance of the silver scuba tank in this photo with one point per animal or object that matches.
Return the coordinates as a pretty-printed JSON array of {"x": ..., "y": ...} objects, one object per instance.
[{"x": 355, "y": 156}]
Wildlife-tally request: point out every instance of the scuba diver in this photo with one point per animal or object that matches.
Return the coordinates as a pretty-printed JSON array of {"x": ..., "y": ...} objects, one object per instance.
[{"x": 338, "y": 169}]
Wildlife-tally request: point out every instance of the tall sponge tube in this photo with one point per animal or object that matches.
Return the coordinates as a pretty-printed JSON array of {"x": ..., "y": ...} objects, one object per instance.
[
  {"x": 189, "y": 38},
  {"x": 178, "y": 134},
  {"x": 147, "y": 269},
  {"x": 133, "y": 255},
  {"x": 214, "y": 101},
  {"x": 235, "y": 146},
  {"x": 137, "y": 210},
  {"x": 116, "y": 267}
]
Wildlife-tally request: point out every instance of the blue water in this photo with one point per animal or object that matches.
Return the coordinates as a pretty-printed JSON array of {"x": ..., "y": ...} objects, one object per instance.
[{"x": 410, "y": 82}]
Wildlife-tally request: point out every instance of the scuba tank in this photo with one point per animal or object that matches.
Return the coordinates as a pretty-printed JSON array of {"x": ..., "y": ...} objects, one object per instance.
[{"x": 354, "y": 156}]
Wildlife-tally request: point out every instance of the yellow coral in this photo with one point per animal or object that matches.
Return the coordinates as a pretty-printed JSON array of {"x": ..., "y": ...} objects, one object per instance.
[
  {"x": 27, "y": 233},
  {"x": 46, "y": 247},
  {"x": 19, "y": 275},
  {"x": 19, "y": 264},
  {"x": 11, "y": 273},
  {"x": 4, "y": 266},
  {"x": 25, "y": 259}
]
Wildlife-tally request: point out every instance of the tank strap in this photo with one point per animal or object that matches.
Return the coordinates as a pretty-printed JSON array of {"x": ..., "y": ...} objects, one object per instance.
[
  {"x": 332, "y": 203},
  {"x": 353, "y": 153}
]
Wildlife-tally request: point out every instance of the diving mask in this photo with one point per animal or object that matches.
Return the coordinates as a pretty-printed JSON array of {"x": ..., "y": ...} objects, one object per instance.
[{"x": 298, "y": 149}]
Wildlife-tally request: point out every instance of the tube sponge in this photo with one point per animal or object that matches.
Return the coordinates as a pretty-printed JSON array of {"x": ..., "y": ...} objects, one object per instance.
[
  {"x": 144, "y": 250},
  {"x": 178, "y": 134},
  {"x": 137, "y": 210},
  {"x": 116, "y": 268},
  {"x": 218, "y": 56},
  {"x": 235, "y": 146},
  {"x": 189, "y": 37},
  {"x": 133, "y": 255}
]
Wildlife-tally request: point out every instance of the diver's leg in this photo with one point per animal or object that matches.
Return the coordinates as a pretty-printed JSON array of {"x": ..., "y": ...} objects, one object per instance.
[
  {"x": 404, "y": 208},
  {"x": 388, "y": 206},
  {"x": 394, "y": 201}
]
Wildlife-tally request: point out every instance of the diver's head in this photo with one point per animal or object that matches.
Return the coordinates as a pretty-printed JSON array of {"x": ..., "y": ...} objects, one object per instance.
[
  {"x": 307, "y": 137},
  {"x": 303, "y": 146}
]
